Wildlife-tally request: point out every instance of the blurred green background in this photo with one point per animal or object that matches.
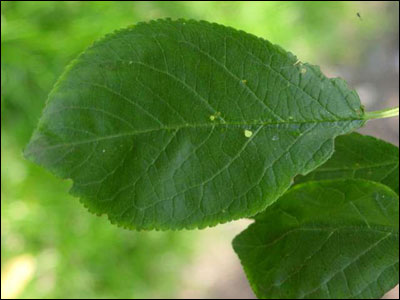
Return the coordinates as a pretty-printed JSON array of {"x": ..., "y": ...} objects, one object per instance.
[{"x": 51, "y": 247}]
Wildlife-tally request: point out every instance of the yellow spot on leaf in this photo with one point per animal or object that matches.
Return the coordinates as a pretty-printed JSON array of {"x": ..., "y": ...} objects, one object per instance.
[
  {"x": 303, "y": 70},
  {"x": 244, "y": 81},
  {"x": 215, "y": 116},
  {"x": 248, "y": 133}
]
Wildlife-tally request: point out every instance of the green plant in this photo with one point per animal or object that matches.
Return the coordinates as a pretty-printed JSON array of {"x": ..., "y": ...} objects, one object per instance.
[{"x": 187, "y": 124}]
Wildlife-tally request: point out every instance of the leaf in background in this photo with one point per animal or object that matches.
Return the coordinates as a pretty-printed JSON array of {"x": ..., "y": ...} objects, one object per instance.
[
  {"x": 185, "y": 124},
  {"x": 360, "y": 156},
  {"x": 334, "y": 239}
]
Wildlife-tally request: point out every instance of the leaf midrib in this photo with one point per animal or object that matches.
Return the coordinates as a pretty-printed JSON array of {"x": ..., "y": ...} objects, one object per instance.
[
  {"x": 321, "y": 228},
  {"x": 194, "y": 126},
  {"x": 385, "y": 164}
]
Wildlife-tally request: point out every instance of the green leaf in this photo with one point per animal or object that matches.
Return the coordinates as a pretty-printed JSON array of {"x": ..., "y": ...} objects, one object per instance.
[
  {"x": 360, "y": 156},
  {"x": 334, "y": 239},
  {"x": 185, "y": 124}
]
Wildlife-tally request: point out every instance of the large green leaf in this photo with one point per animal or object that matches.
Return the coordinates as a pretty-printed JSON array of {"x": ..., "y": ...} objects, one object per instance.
[
  {"x": 360, "y": 156},
  {"x": 326, "y": 239},
  {"x": 174, "y": 124}
]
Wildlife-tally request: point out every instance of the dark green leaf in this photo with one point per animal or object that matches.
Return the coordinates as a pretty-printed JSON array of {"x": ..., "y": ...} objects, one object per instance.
[
  {"x": 184, "y": 124},
  {"x": 334, "y": 239},
  {"x": 360, "y": 156}
]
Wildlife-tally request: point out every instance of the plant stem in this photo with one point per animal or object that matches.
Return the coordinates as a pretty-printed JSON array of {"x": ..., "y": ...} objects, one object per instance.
[{"x": 380, "y": 114}]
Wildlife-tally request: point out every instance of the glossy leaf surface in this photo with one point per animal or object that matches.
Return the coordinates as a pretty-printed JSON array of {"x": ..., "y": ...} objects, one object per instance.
[
  {"x": 326, "y": 239},
  {"x": 186, "y": 124},
  {"x": 360, "y": 156}
]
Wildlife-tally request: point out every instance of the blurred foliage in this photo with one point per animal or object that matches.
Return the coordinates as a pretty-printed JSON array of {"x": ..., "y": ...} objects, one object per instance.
[{"x": 75, "y": 253}]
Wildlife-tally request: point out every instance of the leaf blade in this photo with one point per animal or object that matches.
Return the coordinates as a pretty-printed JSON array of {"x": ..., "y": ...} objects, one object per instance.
[
  {"x": 336, "y": 244},
  {"x": 157, "y": 124},
  {"x": 360, "y": 156}
]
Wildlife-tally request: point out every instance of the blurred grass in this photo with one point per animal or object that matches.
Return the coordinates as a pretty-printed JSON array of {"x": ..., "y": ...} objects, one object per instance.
[{"x": 76, "y": 254}]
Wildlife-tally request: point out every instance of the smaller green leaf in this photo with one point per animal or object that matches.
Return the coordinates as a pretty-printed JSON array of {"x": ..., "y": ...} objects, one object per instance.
[
  {"x": 325, "y": 239},
  {"x": 360, "y": 156}
]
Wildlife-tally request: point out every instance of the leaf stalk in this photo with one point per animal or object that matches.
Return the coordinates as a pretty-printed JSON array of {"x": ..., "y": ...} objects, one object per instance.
[{"x": 381, "y": 114}]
